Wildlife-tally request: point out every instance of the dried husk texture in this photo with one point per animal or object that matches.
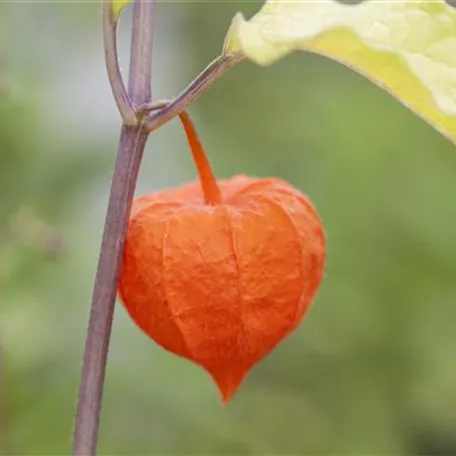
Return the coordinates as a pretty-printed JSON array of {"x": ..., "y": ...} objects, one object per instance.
[{"x": 222, "y": 284}]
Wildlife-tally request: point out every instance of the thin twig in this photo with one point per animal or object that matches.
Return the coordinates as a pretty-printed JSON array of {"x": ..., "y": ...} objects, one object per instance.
[
  {"x": 124, "y": 105},
  {"x": 168, "y": 109},
  {"x": 200, "y": 84},
  {"x": 131, "y": 147}
]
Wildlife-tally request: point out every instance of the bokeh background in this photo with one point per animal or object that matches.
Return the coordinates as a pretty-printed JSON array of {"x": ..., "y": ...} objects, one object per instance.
[{"x": 372, "y": 370}]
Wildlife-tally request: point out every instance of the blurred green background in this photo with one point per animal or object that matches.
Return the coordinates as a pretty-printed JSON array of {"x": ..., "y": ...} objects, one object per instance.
[{"x": 372, "y": 370}]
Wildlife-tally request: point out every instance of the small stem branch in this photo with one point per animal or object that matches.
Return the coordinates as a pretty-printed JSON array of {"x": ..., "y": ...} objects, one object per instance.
[
  {"x": 131, "y": 148},
  {"x": 201, "y": 83},
  {"x": 112, "y": 65}
]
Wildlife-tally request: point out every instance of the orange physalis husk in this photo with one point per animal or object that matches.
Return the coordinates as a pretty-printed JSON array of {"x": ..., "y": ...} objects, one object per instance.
[{"x": 220, "y": 272}]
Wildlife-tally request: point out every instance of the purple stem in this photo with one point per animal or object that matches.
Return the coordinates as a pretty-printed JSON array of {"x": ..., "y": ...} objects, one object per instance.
[{"x": 131, "y": 148}]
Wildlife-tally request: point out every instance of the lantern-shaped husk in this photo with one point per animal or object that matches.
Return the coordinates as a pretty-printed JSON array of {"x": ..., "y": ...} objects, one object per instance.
[{"x": 222, "y": 284}]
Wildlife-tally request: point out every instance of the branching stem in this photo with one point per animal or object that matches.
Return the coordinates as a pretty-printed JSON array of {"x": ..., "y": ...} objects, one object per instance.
[
  {"x": 198, "y": 86},
  {"x": 131, "y": 147}
]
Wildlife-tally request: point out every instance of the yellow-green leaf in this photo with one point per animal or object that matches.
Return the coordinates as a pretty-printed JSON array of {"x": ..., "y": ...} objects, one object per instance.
[
  {"x": 118, "y": 6},
  {"x": 408, "y": 47}
]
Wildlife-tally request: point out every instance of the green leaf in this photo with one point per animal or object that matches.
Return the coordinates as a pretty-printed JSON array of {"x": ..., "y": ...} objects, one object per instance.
[
  {"x": 118, "y": 6},
  {"x": 407, "y": 47}
]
